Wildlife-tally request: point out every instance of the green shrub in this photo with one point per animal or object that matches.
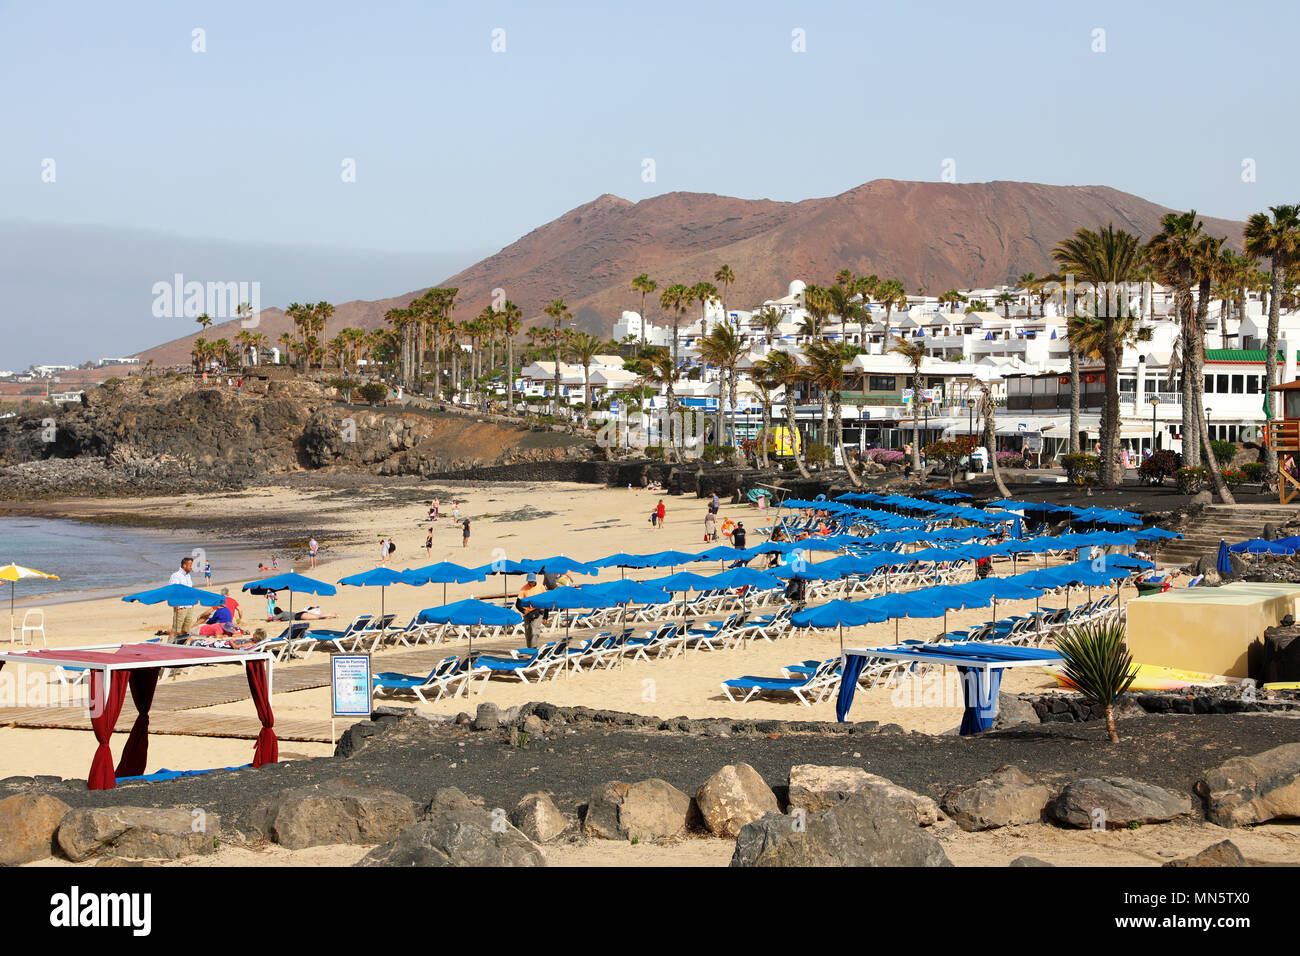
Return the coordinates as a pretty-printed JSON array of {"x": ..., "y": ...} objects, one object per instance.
[
  {"x": 654, "y": 451},
  {"x": 1192, "y": 480},
  {"x": 1081, "y": 469},
  {"x": 373, "y": 392},
  {"x": 716, "y": 453},
  {"x": 1234, "y": 478},
  {"x": 1098, "y": 665},
  {"x": 1159, "y": 465},
  {"x": 816, "y": 454},
  {"x": 1255, "y": 471},
  {"x": 1224, "y": 452}
]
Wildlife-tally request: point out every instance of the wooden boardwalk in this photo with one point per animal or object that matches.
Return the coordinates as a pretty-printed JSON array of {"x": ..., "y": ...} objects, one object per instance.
[{"x": 179, "y": 706}]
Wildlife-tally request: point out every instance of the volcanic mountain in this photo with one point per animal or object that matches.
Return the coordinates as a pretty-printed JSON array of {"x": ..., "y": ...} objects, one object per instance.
[{"x": 932, "y": 236}]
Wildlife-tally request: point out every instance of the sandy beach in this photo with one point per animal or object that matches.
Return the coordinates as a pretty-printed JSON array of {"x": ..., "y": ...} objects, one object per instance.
[{"x": 515, "y": 521}]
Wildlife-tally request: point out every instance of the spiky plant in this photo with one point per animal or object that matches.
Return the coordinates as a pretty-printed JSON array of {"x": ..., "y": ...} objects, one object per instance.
[{"x": 1098, "y": 665}]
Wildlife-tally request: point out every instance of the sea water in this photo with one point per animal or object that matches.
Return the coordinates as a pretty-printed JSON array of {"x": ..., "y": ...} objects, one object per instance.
[{"x": 94, "y": 560}]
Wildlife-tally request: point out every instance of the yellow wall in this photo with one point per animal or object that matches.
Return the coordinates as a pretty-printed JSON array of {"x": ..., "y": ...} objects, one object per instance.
[{"x": 1207, "y": 629}]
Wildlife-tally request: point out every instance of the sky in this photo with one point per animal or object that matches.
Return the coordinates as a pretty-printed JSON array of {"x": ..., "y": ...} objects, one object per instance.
[{"x": 427, "y": 135}]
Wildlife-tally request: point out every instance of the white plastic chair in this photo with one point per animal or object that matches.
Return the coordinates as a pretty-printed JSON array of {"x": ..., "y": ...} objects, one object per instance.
[{"x": 38, "y": 627}]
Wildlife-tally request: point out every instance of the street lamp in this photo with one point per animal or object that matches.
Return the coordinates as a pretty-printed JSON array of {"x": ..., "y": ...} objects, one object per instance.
[{"x": 1155, "y": 400}]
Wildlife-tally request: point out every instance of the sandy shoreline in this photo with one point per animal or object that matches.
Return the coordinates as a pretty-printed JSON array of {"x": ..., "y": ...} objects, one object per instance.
[{"x": 512, "y": 520}]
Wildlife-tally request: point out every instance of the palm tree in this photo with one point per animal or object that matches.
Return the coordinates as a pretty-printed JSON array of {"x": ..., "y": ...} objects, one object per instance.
[
  {"x": 511, "y": 317},
  {"x": 724, "y": 277},
  {"x": 1006, "y": 300},
  {"x": 769, "y": 320},
  {"x": 1278, "y": 241},
  {"x": 199, "y": 352},
  {"x": 1173, "y": 252},
  {"x": 891, "y": 295},
  {"x": 844, "y": 303},
  {"x": 826, "y": 367},
  {"x": 783, "y": 368},
  {"x": 646, "y": 286},
  {"x": 723, "y": 347},
  {"x": 704, "y": 293},
  {"x": 987, "y": 411},
  {"x": 1207, "y": 260},
  {"x": 765, "y": 379},
  {"x": 1109, "y": 259},
  {"x": 286, "y": 347},
  {"x": 664, "y": 371},
  {"x": 560, "y": 313},
  {"x": 584, "y": 347},
  {"x": 914, "y": 353},
  {"x": 952, "y": 298},
  {"x": 676, "y": 299},
  {"x": 1031, "y": 284},
  {"x": 204, "y": 320}
]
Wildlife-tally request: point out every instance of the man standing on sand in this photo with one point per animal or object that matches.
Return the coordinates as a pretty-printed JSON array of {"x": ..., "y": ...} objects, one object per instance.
[
  {"x": 531, "y": 588},
  {"x": 312, "y": 547},
  {"x": 738, "y": 536},
  {"x": 182, "y": 617}
]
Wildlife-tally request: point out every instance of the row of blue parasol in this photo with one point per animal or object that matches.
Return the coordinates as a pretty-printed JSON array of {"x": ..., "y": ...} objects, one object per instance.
[{"x": 938, "y": 601}]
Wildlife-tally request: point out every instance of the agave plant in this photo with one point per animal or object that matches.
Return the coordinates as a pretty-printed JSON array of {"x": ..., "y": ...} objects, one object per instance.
[{"x": 1098, "y": 665}]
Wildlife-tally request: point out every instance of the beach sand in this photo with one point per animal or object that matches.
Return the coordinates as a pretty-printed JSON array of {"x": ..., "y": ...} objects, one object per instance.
[
  {"x": 515, "y": 521},
  {"x": 537, "y": 520}
]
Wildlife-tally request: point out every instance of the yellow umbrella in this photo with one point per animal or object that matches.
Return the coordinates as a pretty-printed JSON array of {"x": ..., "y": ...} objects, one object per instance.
[{"x": 12, "y": 573}]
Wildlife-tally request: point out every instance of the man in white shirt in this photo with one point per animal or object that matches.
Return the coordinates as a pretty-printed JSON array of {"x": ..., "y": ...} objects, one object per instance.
[{"x": 182, "y": 617}]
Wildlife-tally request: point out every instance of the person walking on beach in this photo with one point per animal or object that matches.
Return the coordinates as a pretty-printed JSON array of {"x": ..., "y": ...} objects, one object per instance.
[
  {"x": 738, "y": 536},
  {"x": 383, "y": 552},
  {"x": 531, "y": 588},
  {"x": 464, "y": 533},
  {"x": 182, "y": 617},
  {"x": 428, "y": 543},
  {"x": 661, "y": 513},
  {"x": 312, "y": 548},
  {"x": 710, "y": 526},
  {"x": 207, "y": 573}
]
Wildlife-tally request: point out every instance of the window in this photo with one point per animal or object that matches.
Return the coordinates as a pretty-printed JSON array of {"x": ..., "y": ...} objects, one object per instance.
[
  {"x": 1221, "y": 385},
  {"x": 1292, "y": 403},
  {"x": 1209, "y": 385},
  {"x": 1238, "y": 385},
  {"x": 1128, "y": 385},
  {"x": 881, "y": 383},
  {"x": 1252, "y": 384}
]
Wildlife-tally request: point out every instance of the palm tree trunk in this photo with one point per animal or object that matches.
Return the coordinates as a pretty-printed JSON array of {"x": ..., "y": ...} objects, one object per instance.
[
  {"x": 844, "y": 453},
  {"x": 510, "y": 374},
  {"x": 767, "y": 428},
  {"x": 1110, "y": 724},
  {"x": 1270, "y": 350},
  {"x": 1074, "y": 401},
  {"x": 990, "y": 445},
  {"x": 916, "y": 432},
  {"x": 796, "y": 444},
  {"x": 1192, "y": 394},
  {"x": 1111, "y": 472}
]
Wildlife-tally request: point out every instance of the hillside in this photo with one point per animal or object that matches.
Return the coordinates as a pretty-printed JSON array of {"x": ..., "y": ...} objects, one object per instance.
[{"x": 933, "y": 236}]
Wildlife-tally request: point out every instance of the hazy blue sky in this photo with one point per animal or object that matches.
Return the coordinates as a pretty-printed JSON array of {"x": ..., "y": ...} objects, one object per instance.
[{"x": 460, "y": 150}]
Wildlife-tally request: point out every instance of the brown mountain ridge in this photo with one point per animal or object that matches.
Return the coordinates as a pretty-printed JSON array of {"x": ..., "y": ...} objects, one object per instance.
[{"x": 932, "y": 236}]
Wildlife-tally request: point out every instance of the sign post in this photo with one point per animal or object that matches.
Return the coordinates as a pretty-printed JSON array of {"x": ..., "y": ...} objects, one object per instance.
[{"x": 351, "y": 687}]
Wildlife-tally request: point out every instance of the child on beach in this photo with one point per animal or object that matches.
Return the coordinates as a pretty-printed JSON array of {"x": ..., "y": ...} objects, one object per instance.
[
  {"x": 428, "y": 543},
  {"x": 464, "y": 535},
  {"x": 207, "y": 572}
]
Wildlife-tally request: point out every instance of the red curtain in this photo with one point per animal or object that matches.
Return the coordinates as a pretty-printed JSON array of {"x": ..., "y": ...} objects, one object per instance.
[
  {"x": 143, "y": 683},
  {"x": 267, "y": 749},
  {"x": 109, "y": 707}
]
